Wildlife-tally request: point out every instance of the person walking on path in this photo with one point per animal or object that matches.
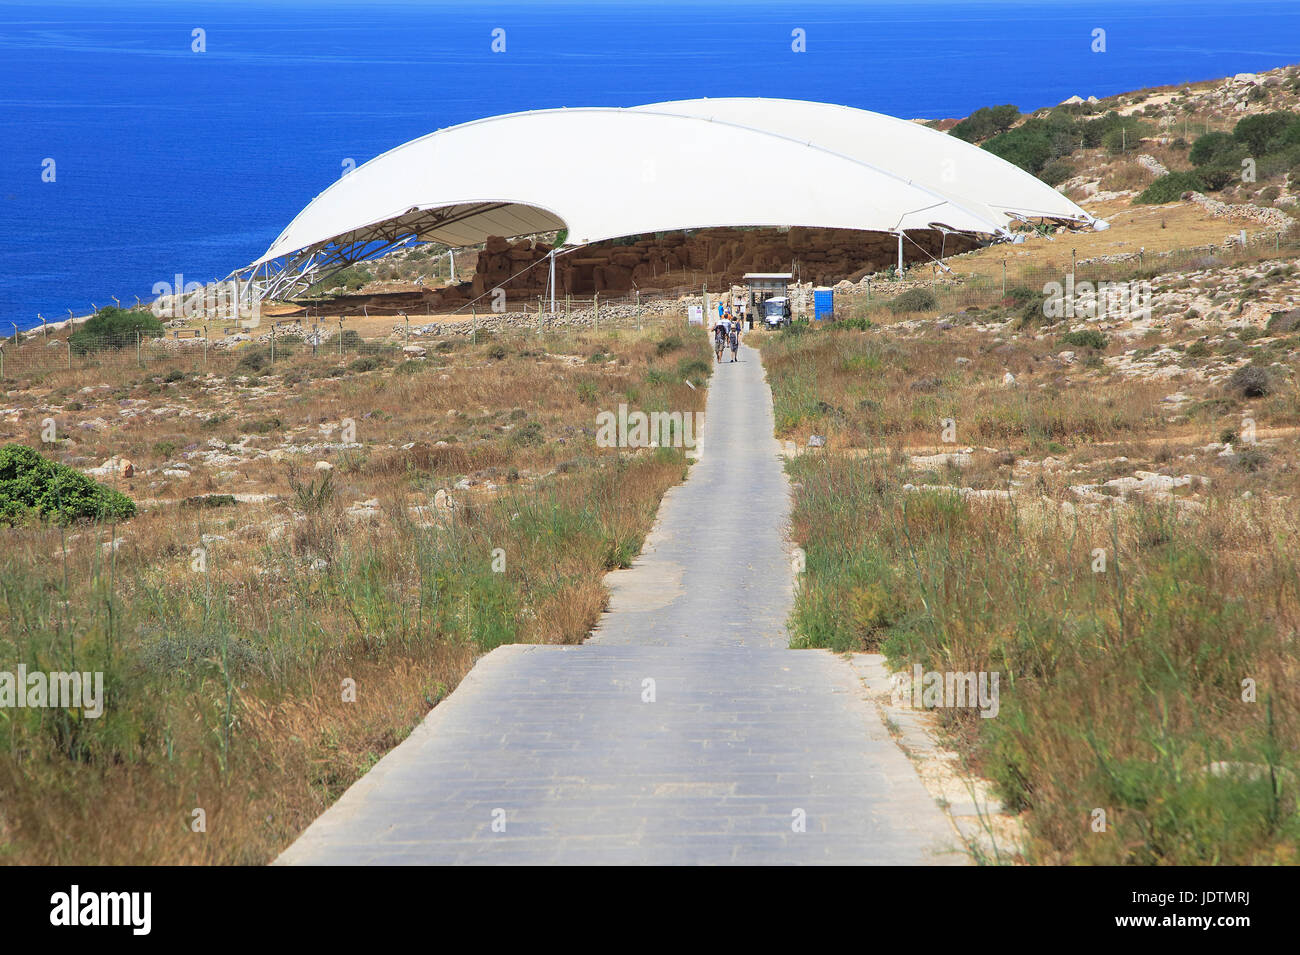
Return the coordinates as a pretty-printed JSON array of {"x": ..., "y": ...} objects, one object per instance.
[
  {"x": 734, "y": 340},
  {"x": 719, "y": 339}
]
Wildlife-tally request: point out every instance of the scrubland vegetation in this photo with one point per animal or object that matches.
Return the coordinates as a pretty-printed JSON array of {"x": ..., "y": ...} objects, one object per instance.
[
  {"x": 1130, "y": 565},
  {"x": 304, "y": 532}
]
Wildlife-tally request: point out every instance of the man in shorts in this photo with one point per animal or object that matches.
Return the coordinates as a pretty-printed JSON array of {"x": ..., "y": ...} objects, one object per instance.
[{"x": 719, "y": 339}]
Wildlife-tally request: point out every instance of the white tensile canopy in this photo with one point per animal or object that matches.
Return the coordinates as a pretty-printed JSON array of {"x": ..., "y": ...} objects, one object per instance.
[{"x": 604, "y": 173}]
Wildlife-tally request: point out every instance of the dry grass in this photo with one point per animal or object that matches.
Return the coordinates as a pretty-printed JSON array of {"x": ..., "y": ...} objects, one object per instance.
[
  {"x": 1121, "y": 690},
  {"x": 225, "y": 687}
]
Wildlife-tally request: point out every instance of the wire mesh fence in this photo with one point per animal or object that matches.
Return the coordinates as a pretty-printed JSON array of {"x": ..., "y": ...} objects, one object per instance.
[
  {"x": 225, "y": 350},
  {"x": 989, "y": 287}
]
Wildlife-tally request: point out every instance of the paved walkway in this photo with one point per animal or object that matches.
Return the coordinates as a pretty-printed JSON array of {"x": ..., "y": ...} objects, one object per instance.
[{"x": 749, "y": 752}]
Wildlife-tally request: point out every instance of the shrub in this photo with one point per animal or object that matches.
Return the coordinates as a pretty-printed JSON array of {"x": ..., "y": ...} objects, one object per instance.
[
  {"x": 254, "y": 359},
  {"x": 665, "y": 345},
  {"x": 32, "y": 484},
  {"x": 914, "y": 300},
  {"x": 529, "y": 434},
  {"x": 1211, "y": 147},
  {"x": 694, "y": 368},
  {"x": 1283, "y": 323},
  {"x": 1170, "y": 188},
  {"x": 1029, "y": 146},
  {"x": 1018, "y": 296},
  {"x": 985, "y": 121},
  {"x": 263, "y": 425},
  {"x": 354, "y": 278},
  {"x": 497, "y": 352},
  {"x": 1251, "y": 381},
  {"x": 1085, "y": 338},
  {"x": 1250, "y": 458},
  {"x": 1217, "y": 176},
  {"x": 1258, "y": 132},
  {"x": 113, "y": 327},
  {"x": 1056, "y": 172},
  {"x": 209, "y": 500},
  {"x": 364, "y": 363}
]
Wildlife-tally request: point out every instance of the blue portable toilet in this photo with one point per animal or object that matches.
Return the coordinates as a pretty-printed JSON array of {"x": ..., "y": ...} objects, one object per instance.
[{"x": 823, "y": 302}]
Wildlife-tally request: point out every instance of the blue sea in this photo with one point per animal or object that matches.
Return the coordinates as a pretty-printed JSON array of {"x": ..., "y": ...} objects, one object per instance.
[{"x": 168, "y": 160}]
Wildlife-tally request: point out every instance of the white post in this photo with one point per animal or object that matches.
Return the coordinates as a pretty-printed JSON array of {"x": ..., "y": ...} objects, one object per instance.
[
  {"x": 552, "y": 281},
  {"x": 900, "y": 254},
  {"x": 452, "y": 254}
]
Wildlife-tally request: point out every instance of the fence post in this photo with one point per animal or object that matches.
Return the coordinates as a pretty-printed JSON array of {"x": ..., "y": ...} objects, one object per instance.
[
  {"x": 473, "y": 327},
  {"x": 69, "y": 351},
  {"x": 2, "y": 364},
  {"x": 139, "y": 352},
  {"x": 595, "y": 304},
  {"x": 340, "y": 338},
  {"x": 273, "y": 343},
  {"x": 1004, "y": 277}
]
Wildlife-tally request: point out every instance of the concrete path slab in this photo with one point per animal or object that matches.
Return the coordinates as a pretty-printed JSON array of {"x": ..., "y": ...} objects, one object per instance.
[{"x": 683, "y": 732}]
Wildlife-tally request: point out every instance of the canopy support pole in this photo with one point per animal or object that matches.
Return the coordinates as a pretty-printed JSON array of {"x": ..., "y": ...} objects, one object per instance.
[
  {"x": 900, "y": 253},
  {"x": 552, "y": 281}
]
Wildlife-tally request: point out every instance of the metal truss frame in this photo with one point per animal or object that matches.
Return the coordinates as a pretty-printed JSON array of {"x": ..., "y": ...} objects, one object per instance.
[{"x": 283, "y": 278}]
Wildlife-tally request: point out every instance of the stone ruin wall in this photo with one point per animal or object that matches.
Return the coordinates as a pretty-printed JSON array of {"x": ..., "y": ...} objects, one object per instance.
[
  {"x": 664, "y": 265},
  {"x": 823, "y": 256}
]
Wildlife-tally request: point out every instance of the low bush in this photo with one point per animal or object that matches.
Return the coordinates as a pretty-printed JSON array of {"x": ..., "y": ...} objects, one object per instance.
[
  {"x": 113, "y": 327},
  {"x": 1056, "y": 172},
  {"x": 1085, "y": 338},
  {"x": 209, "y": 500},
  {"x": 1211, "y": 147},
  {"x": 33, "y": 485},
  {"x": 1251, "y": 381},
  {"x": 528, "y": 435},
  {"x": 856, "y": 322},
  {"x": 670, "y": 343},
  {"x": 693, "y": 368},
  {"x": 1170, "y": 188},
  {"x": 254, "y": 359},
  {"x": 1283, "y": 323},
  {"x": 914, "y": 300}
]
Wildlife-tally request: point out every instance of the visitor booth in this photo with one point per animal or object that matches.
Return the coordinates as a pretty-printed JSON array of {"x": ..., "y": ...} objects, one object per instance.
[{"x": 764, "y": 285}]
